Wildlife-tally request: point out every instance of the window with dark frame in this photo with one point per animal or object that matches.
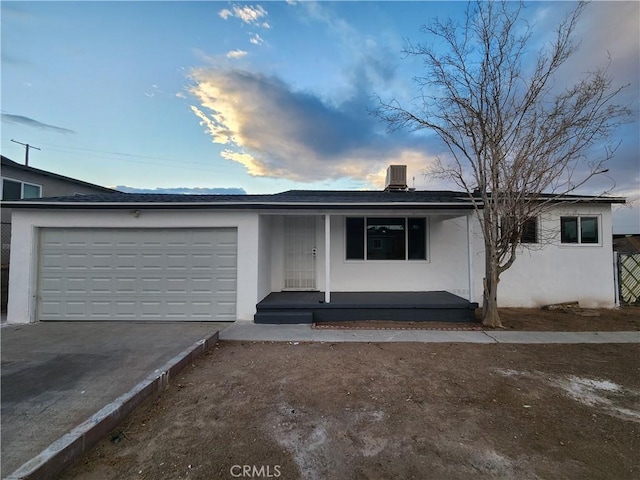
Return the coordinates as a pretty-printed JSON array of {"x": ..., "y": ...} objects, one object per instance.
[
  {"x": 529, "y": 231},
  {"x": 31, "y": 191},
  {"x": 355, "y": 238},
  {"x": 17, "y": 190},
  {"x": 579, "y": 230},
  {"x": 589, "y": 230},
  {"x": 386, "y": 238},
  {"x": 417, "y": 238},
  {"x": 11, "y": 190}
]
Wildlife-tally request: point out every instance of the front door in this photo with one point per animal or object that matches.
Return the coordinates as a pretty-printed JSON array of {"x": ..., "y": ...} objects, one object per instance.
[{"x": 300, "y": 253}]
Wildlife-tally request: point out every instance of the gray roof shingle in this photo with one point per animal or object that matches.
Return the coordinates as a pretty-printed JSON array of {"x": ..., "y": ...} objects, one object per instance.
[{"x": 301, "y": 198}]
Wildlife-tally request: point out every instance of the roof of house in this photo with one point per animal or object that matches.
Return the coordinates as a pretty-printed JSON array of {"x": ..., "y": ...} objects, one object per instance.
[
  {"x": 626, "y": 243},
  {"x": 292, "y": 198},
  {"x": 6, "y": 162},
  {"x": 302, "y": 199}
]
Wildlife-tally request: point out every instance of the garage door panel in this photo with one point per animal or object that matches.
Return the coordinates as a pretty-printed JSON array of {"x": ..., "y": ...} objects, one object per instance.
[
  {"x": 227, "y": 238},
  {"x": 201, "y": 285},
  {"x": 126, "y": 309},
  {"x": 226, "y": 310},
  {"x": 101, "y": 261},
  {"x": 77, "y": 285},
  {"x": 151, "y": 286},
  {"x": 124, "y": 285},
  {"x": 151, "y": 309},
  {"x": 50, "y": 308},
  {"x": 52, "y": 285},
  {"x": 125, "y": 261},
  {"x": 137, "y": 274},
  {"x": 100, "y": 285},
  {"x": 75, "y": 308},
  {"x": 225, "y": 285},
  {"x": 100, "y": 309}
]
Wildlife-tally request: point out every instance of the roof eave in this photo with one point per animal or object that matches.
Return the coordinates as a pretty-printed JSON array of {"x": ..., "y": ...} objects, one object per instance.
[
  {"x": 232, "y": 205},
  {"x": 26, "y": 168}
]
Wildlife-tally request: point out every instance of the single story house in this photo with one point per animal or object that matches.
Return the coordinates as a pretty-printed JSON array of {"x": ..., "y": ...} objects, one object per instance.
[{"x": 221, "y": 257}]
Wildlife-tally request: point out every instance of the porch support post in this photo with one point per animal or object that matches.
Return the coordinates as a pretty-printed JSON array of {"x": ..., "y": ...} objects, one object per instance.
[
  {"x": 470, "y": 255},
  {"x": 616, "y": 279},
  {"x": 327, "y": 258}
]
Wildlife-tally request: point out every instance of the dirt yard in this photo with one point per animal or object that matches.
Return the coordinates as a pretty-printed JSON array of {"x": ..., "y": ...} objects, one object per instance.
[
  {"x": 386, "y": 411},
  {"x": 570, "y": 319},
  {"x": 526, "y": 319}
]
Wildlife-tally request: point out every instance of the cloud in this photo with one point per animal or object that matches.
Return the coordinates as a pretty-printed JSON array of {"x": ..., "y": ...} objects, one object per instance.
[
  {"x": 153, "y": 91},
  {"x": 183, "y": 190},
  {"x": 247, "y": 14},
  {"x": 276, "y": 131},
  {"x": 225, "y": 13},
  {"x": 608, "y": 34},
  {"x": 599, "y": 42},
  {"x": 256, "y": 39},
  {"x": 30, "y": 122},
  {"x": 236, "y": 54},
  {"x": 254, "y": 167}
]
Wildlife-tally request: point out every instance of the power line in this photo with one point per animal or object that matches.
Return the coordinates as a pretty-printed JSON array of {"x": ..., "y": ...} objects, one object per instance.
[
  {"x": 26, "y": 152},
  {"x": 133, "y": 158}
]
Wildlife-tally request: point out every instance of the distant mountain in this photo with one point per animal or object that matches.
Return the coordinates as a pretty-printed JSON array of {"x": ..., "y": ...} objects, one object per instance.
[{"x": 184, "y": 190}]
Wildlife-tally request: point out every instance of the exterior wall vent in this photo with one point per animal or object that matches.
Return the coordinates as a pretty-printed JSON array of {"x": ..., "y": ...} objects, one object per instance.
[{"x": 396, "y": 178}]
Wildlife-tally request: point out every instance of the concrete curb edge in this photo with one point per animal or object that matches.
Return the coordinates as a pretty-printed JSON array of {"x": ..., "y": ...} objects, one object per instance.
[{"x": 60, "y": 454}]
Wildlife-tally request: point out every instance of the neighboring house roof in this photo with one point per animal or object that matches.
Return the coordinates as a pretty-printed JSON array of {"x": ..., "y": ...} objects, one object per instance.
[
  {"x": 302, "y": 199},
  {"x": 10, "y": 163},
  {"x": 626, "y": 243}
]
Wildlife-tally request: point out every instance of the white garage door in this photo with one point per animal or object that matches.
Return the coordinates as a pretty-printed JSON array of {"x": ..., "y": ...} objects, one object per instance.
[{"x": 137, "y": 274}]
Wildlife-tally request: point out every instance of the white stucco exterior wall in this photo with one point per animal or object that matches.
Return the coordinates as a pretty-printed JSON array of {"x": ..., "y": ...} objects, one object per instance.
[
  {"x": 277, "y": 253},
  {"x": 264, "y": 255},
  {"x": 445, "y": 269},
  {"x": 550, "y": 273},
  {"x": 24, "y": 247},
  {"x": 553, "y": 272}
]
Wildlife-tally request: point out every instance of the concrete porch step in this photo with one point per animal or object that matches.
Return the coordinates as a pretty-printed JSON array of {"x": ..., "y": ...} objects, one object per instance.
[
  {"x": 283, "y": 317},
  {"x": 309, "y": 307}
]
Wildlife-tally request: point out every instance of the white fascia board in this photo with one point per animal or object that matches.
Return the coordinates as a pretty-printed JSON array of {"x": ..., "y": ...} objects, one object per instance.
[
  {"x": 84, "y": 205},
  {"x": 328, "y": 206}
]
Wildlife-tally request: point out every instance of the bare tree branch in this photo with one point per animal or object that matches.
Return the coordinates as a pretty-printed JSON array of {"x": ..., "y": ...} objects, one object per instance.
[{"x": 510, "y": 133}]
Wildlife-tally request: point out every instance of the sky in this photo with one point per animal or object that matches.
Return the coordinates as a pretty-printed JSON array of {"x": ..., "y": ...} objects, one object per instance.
[{"x": 259, "y": 97}]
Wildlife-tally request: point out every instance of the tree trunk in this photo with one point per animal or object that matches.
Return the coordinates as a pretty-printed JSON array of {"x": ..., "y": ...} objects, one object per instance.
[{"x": 490, "y": 315}]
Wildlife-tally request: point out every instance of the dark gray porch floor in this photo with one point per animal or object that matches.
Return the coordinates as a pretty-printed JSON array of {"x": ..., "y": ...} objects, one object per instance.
[{"x": 309, "y": 307}]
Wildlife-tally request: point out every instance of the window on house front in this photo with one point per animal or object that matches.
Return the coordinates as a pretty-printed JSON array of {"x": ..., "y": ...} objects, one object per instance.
[
  {"x": 579, "y": 230},
  {"x": 529, "y": 232},
  {"x": 17, "y": 190},
  {"x": 355, "y": 238},
  {"x": 11, "y": 190},
  {"x": 386, "y": 238},
  {"x": 31, "y": 191}
]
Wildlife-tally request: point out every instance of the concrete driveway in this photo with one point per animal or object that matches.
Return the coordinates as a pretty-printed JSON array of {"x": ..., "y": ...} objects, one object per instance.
[{"x": 83, "y": 377}]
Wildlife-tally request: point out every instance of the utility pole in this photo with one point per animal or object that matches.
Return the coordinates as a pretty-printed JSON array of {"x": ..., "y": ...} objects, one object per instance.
[{"x": 26, "y": 153}]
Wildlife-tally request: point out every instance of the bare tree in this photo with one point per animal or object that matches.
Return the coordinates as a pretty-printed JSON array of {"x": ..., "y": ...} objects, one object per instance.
[{"x": 515, "y": 141}]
